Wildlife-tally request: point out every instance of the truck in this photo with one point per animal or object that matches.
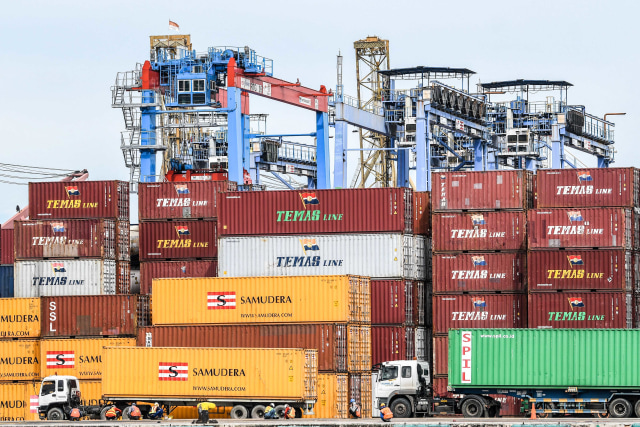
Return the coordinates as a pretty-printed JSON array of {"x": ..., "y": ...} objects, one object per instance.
[
  {"x": 556, "y": 371},
  {"x": 246, "y": 379}
]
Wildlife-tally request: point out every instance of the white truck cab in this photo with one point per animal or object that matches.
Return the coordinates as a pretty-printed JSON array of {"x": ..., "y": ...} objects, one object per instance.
[
  {"x": 58, "y": 394},
  {"x": 401, "y": 384}
]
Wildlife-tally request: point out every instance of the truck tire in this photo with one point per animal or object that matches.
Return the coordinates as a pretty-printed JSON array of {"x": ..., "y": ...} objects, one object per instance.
[
  {"x": 472, "y": 408},
  {"x": 125, "y": 413},
  {"x": 258, "y": 411},
  {"x": 103, "y": 413},
  {"x": 298, "y": 412},
  {"x": 637, "y": 409},
  {"x": 239, "y": 412},
  {"x": 620, "y": 408},
  {"x": 279, "y": 411},
  {"x": 55, "y": 414},
  {"x": 401, "y": 408}
]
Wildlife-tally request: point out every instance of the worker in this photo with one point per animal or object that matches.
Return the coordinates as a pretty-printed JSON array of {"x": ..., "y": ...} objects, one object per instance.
[
  {"x": 75, "y": 414},
  {"x": 289, "y": 413},
  {"x": 270, "y": 412},
  {"x": 156, "y": 412},
  {"x": 354, "y": 409},
  {"x": 134, "y": 412},
  {"x": 385, "y": 413},
  {"x": 203, "y": 411},
  {"x": 112, "y": 413}
]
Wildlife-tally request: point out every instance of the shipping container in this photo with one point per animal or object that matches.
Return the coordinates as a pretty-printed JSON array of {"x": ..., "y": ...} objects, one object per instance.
[
  {"x": 333, "y": 397},
  {"x": 144, "y": 311},
  {"x": 589, "y": 228},
  {"x": 255, "y": 373},
  {"x": 79, "y": 199},
  {"x": 479, "y": 272},
  {"x": 421, "y": 345},
  {"x": 19, "y": 318},
  {"x": 91, "y": 393},
  {"x": 356, "y": 211},
  {"x": 64, "y": 277},
  {"x": 480, "y": 231},
  {"x": 418, "y": 300},
  {"x": 392, "y": 302},
  {"x": 422, "y": 213},
  {"x": 581, "y": 310},
  {"x": 392, "y": 342},
  {"x": 98, "y": 315},
  {"x": 20, "y": 360},
  {"x": 475, "y": 311},
  {"x": 178, "y": 240},
  {"x": 509, "y": 406},
  {"x": 609, "y": 269},
  {"x": 485, "y": 190},
  {"x": 174, "y": 269},
  {"x": 372, "y": 255},
  {"x": 440, "y": 364},
  {"x": 19, "y": 401},
  {"x": 82, "y": 358},
  {"x": 309, "y": 299},
  {"x": 123, "y": 277},
  {"x": 6, "y": 281},
  {"x": 337, "y": 344},
  {"x": 585, "y": 188},
  {"x": 181, "y": 200},
  {"x": 360, "y": 389},
  {"x": 7, "y": 254},
  {"x": 584, "y": 358}
]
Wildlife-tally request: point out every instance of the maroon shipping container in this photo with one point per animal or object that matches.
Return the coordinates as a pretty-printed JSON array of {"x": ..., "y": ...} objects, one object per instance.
[
  {"x": 588, "y": 228},
  {"x": 181, "y": 200},
  {"x": 488, "y": 272},
  {"x": 440, "y": 355},
  {"x": 479, "y": 231},
  {"x": 376, "y": 210},
  {"x": 611, "y": 269},
  {"x": 167, "y": 269},
  {"x": 65, "y": 238},
  {"x": 330, "y": 340},
  {"x": 478, "y": 311},
  {"x": 581, "y": 310},
  {"x": 98, "y": 315},
  {"x": 392, "y": 342},
  {"x": 6, "y": 246},
  {"x": 178, "y": 240},
  {"x": 392, "y": 302},
  {"x": 418, "y": 300},
  {"x": 566, "y": 188},
  {"x": 488, "y": 190},
  {"x": 123, "y": 277},
  {"x": 509, "y": 406},
  {"x": 79, "y": 199},
  {"x": 422, "y": 213}
]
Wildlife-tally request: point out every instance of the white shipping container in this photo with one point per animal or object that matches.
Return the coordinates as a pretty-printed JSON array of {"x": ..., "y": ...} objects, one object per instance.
[
  {"x": 371, "y": 255},
  {"x": 420, "y": 344},
  {"x": 64, "y": 277}
]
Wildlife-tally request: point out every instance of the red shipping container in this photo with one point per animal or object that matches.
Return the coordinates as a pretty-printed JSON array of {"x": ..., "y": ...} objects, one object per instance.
[
  {"x": 509, "y": 406},
  {"x": 479, "y": 231},
  {"x": 99, "y": 315},
  {"x": 567, "y": 188},
  {"x": 7, "y": 254},
  {"x": 178, "y": 240},
  {"x": 79, "y": 199},
  {"x": 487, "y": 190},
  {"x": 588, "y": 228},
  {"x": 611, "y": 269},
  {"x": 181, "y": 200},
  {"x": 488, "y": 272},
  {"x": 376, "y": 210},
  {"x": 440, "y": 355},
  {"x": 422, "y": 213},
  {"x": 581, "y": 310},
  {"x": 64, "y": 238},
  {"x": 123, "y": 277},
  {"x": 392, "y": 302},
  {"x": 179, "y": 269},
  {"x": 419, "y": 306},
  {"x": 440, "y": 385},
  {"x": 392, "y": 342},
  {"x": 478, "y": 311}
]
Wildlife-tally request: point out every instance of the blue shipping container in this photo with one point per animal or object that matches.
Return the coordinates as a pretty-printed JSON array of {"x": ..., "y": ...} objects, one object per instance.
[{"x": 6, "y": 281}]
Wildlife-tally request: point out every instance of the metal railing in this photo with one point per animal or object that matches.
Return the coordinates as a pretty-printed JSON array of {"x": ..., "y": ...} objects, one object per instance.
[{"x": 296, "y": 152}]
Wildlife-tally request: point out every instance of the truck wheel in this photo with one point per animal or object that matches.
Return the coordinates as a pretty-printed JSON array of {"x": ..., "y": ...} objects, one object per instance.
[
  {"x": 637, "y": 409},
  {"x": 298, "y": 412},
  {"x": 620, "y": 408},
  {"x": 55, "y": 414},
  {"x": 103, "y": 413},
  {"x": 401, "y": 408},
  {"x": 257, "y": 411},
  {"x": 472, "y": 408},
  {"x": 279, "y": 411},
  {"x": 125, "y": 413},
  {"x": 239, "y": 412}
]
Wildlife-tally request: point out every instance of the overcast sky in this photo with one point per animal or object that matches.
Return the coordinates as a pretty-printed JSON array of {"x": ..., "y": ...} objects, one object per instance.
[{"x": 60, "y": 59}]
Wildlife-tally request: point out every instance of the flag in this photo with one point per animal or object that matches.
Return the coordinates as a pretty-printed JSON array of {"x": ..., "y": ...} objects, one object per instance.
[
  {"x": 58, "y": 227},
  {"x": 72, "y": 191},
  {"x": 584, "y": 176},
  {"x": 182, "y": 230},
  {"x": 575, "y": 216},
  {"x": 58, "y": 267},
  {"x": 182, "y": 189},
  {"x": 33, "y": 403},
  {"x": 309, "y": 199},
  {"x": 576, "y": 302},
  {"x": 479, "y": 303},
  {"x": 221, "y": 300},
  {"x": 174, "y": 27},
  {"x": 309, "y": 244},
  {"x": 478, "y": 260},
  {"x": 61, "y": 359},
  {"x": 173, "y": 371},
  {"x": 477, "y": 219},
  {"x": 575, "y": 260}
]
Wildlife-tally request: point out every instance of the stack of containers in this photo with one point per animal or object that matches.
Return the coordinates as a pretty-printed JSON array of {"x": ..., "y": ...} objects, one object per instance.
[
  {"x": 178, "y": 236},
  {"x": 423, "y": 296},
  {"x": 7, "y": 257},
  {"x": 583, "y": 243},
  {"x": 327, "y": 313},
  {"x": 479, "y": 260}
]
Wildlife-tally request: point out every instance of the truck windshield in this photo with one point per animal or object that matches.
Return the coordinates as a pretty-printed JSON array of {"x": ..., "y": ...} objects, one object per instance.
[
  {"x": 48, "y": 387},
  {"x": 389, "y": 373}
]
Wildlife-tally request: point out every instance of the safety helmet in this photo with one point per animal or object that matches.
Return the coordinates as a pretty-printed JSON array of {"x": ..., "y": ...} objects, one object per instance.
[
  {"x": 157, "y": 404},
  {"x": 352, "y": 401},
  {"x": 273, "y": 404},
  {"x": 286, "y": 405},
  {"x": 382, "y": 405}
]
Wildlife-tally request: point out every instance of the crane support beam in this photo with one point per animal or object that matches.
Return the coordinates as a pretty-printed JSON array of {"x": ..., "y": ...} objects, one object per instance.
[{"x": 361, "y": 118}]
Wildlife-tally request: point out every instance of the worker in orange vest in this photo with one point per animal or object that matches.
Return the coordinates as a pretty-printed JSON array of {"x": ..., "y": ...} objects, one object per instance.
[
  {"x": 134, "y": 413},
  {"x": 111, "y": 413},
  {"x": 385, "y": 413},
  {"x": 75, "y": 414}
]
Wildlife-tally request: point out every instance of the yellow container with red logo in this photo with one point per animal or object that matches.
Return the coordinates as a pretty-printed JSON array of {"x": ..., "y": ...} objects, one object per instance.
[
  {"x": 19, "y": 360},
  {"x": 19, "y": 401},
  {"x": 19, "y": 318}
]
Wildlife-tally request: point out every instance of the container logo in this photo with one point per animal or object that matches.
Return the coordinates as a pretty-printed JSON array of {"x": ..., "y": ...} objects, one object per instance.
[
  {"x": 574, "y": 216},
  {"x": 309, "y": 199},
  {"x": 182, "y": 230},
  {"x": 61, "y": 359},
  {"x": 309, "y": 245},
  {"x": 477, "y": 219},
  {"x": 58, "y": 267},
  {"x": 584, "y": 176},
  {"x": 575, "y": 302},
  {"x": 575, "y": 260},
  {"x": 57, "y": 227},
  {"x": 478, "y": 260},
  {"x": 72, "y": 191},
  {"x": 465, "y": 347},
  {"x": 183, "y": 269},
  {"x": 33, "y": 403},
  {"x": 221, "y": 300},
  {"x": 181, "y": 188},
  {"x": 170, "y": 371},
  {"x": 479, "y": 304}
]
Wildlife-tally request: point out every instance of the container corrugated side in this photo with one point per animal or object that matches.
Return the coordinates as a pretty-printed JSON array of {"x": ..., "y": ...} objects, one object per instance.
[
  {"x": 91, "y": 393},
  {"x": 79, "y": 199},
  {"x": 420, "y": 303},
  {"x": 174, "y": 269},
  {"x": 96, "y": 315},
  {"x": 6, "y": 281},
  {"x": 18, "y": 399},
  {"x": 82, "y": 358},
  {"x": 371, "y": 255},
  {"x": 19, "y": 318},
  {"x": 7, "y": 251},
  {"x": 440, "y": 362},
  {"x": 422, "y": 213},
  {"x": 392, "y": 302},
  {"x": 178, "y": 240},
  {"x": 243, "y": 373},
  {"x": 479, "y": 272},
  {"x": 473, "y": 311},
  {"x": 355, "y": 211},
  {"x": 19, "y": 360},
  {"x": 554, "y": 358},
  {"x": 333, "y": 393},
  {"x": 64, "y": 277},
  {"x": 308, "y": 299},
  {"x": 392, "y": 342}
]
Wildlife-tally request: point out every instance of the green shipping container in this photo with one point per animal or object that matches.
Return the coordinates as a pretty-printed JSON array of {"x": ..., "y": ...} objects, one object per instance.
[{"x": 544, "y": 358}]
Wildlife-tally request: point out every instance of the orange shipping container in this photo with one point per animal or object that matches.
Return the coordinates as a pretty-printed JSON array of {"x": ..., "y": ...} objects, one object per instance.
[
  {"x": 305, "y": 299},
  {"x": 222, "y": 374},
  {"x": 82, "y": 358},
  {"x": 333, "y": 397},
  {"x": 17, "y": 401},
  {"x": 19, "y": 317},
  {"x": 19, "y": 360}
]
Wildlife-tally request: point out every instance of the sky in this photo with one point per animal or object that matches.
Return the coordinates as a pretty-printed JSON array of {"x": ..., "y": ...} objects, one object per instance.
[{"x": 60, "y": 59}]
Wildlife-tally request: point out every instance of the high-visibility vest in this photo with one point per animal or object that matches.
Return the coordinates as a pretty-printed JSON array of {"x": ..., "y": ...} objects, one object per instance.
[
  {"x": 135, "y": 412},
  {"x": 386, "y": 413},
  {"x": 75, "y": 413},
  {"x": 111, "y": 412}
]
